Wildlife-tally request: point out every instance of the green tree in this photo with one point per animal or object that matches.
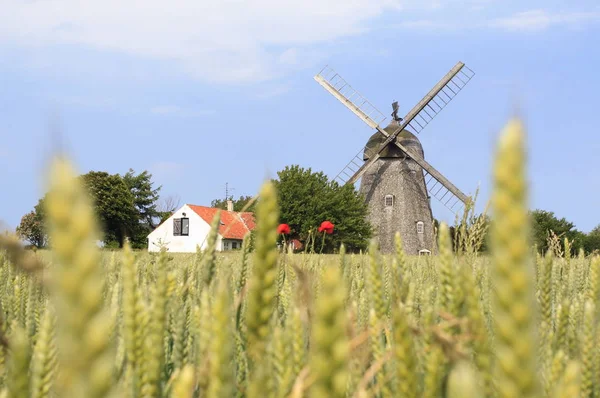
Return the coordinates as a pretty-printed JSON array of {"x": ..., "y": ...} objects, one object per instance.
[
  {"x": 145, "y": 198},
  {"x": 31, "y": 228},
  {"x": 591, "y": 241},
  {"x": 542, "y": 222},
  {"x": 115, "y": 206},
  {"x": 238, "y": 204},
  {"x": 126, "y": 206},
  {"x": 307, "y": 198}
]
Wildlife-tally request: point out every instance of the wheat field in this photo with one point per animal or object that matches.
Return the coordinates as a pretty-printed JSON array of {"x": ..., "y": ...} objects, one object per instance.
[{"x": 78, "y": 322}]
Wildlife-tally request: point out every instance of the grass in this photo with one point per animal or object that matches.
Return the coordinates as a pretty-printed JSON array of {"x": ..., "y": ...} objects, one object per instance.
[{"x": 77, "y": 322}]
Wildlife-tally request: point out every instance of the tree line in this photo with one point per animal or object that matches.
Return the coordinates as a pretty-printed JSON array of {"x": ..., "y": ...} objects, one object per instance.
[
  {"x": 545, "y": 227},
  {"x": 128, "y": 206},
  {"x": 543, "y": 222}
]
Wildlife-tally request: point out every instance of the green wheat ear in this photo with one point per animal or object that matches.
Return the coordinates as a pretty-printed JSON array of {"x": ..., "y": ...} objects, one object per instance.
[
  {"x": 514, "y": 283},
  {"x": 44, "y": 358},
  {"x": 132, "y": 309},
  {"x": 154, "y": 355},
  {"x": 569, "y": 385},
  {"x": 262, "y": 288},
  {"x": 221, "y": 349},
  {"x": 18, "y": 365},
  {"x": 588, "y": 349},
  {"x": 374, "y": 282},
  {"x": 84, "y": 326},
  {"x": 329, "y": 345},
  {"x": 209, "y": 256},
  {"x": 184, "y": 383},
  {"x": 404, "y": 353},
  {"x": 448, "y": 302},
  {"x": 462, "y": 382}
]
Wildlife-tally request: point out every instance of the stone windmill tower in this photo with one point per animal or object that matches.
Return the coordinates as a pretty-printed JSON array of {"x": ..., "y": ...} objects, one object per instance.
[{"x": 397, "y": 182}]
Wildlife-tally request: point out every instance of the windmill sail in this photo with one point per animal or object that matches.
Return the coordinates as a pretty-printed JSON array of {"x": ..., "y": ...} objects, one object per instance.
[
  {"x": 352, "y": 99},
  {"x": 414, "y": 114},
  {"x": 443, "y": 194},
  {"x": 417, "y": 119},
  {"x": 437, "y": 102},
  {"x": 438, "y": 186},
  {"x": 351, "y": 168}
]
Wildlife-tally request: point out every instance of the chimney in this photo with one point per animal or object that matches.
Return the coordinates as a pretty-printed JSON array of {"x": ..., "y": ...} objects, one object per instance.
[{"x": 229, "y": 205}]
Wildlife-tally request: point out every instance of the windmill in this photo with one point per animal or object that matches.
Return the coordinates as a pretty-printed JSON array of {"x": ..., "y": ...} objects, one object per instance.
[{"x": 397, "y": 182}]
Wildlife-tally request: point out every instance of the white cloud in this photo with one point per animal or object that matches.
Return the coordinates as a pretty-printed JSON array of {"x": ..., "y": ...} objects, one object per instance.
[
  {"x": 237, "y": 41},
  {"x": 531, "y": 21},
  {"x": 539, "y": 20},
  {"x": 225, "y": 40},
  {"x": 175, "y": 110}
]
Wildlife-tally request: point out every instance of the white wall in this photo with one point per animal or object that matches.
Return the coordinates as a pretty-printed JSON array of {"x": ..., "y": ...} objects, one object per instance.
[{"x": 181, "y": 244}]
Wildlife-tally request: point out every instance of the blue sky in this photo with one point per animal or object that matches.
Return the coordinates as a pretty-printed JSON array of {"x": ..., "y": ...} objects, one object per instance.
[{"x": 201, "y": 93}]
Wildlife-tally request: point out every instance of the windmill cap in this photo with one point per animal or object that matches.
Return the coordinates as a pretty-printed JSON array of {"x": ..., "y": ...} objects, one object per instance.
[{"x": 405, "y": 138}]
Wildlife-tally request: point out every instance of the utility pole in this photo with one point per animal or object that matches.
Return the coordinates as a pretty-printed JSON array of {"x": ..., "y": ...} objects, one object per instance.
[{"x": 228, "y": 192}]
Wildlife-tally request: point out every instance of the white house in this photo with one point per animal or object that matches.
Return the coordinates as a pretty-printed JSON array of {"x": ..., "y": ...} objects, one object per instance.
[{"x": 189, "y": 226}]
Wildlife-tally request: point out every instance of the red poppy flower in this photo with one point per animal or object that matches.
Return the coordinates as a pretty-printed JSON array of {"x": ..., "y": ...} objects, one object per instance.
[
  {"x": 283, "y": 229},
  {"x": 327, "y": 227}
]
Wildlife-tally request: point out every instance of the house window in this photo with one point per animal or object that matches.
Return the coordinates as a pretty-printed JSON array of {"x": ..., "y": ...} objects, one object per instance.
[
  {"x": 420, "y": 227},
  {"x": 225, "y": 245},
  {"x": 234, "y": 245},
  {"x": 389, "y": 200},
  {"x": 181, "y": 226},
  {"x": 185, "y": 226}
]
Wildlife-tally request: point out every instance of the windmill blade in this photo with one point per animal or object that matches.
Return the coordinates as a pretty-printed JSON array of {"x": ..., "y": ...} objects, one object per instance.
[
  {"x": 436, "y": 100},
  {"x": 437, "y": 185},
  {"x": 417, "y": 110},
  {"x": 443, "y": 194},
  {"x": 351, "y": 168},
  {"x": 352, "y": 99}
]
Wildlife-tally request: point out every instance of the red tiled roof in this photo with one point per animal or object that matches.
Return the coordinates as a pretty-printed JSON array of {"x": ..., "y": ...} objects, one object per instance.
[
  {"x": 248, "y": 219},
  {"x": 234, "y": 225}
]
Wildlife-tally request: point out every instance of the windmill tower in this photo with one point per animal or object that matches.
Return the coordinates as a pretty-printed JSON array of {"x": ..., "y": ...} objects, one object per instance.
[{"x": 397, "y": 182}]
